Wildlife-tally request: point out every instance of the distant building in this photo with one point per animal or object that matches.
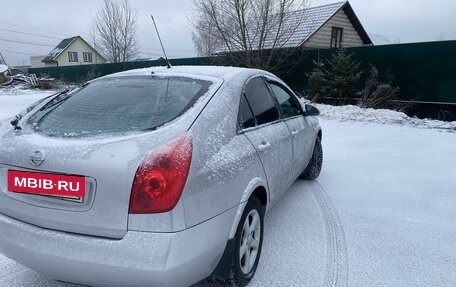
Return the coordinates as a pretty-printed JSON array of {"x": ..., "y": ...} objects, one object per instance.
[
  {"x": 322, "y": 27},
  {"x": 37, "y": 62},
  {"x": 73, "y": 51},
  {"x": 327, "y": 26}
]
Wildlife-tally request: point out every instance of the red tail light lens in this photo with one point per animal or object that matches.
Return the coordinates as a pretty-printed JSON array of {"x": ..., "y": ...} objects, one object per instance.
[{"x": 160, "y": 179}]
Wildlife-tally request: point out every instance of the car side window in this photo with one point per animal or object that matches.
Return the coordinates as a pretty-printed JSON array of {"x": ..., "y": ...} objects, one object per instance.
[
  {"x": 246, "y": 118},
  {"x": 288, "y": 102},
  {"x": 261, "y": 101}
]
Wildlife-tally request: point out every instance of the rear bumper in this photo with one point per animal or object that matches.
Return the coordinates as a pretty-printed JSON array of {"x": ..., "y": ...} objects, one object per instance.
[{"x": 139, "y": 259}]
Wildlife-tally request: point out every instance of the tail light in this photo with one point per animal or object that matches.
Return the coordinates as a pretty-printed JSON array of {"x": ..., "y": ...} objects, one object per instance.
[{"x": 161, "y": 177}]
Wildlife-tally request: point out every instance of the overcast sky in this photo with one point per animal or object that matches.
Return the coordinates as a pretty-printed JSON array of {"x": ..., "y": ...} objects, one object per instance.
[{"x": 27, "y": 21}]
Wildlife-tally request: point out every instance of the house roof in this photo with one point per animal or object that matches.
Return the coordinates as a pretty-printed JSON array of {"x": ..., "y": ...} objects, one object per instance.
[
  {"x": 312, "y": 19},
  {"x": 52, "y": 56},
  {"x": 62, "y": 46}
]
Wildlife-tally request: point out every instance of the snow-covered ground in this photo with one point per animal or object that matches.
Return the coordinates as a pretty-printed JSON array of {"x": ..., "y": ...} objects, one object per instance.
[
  {"x": 357, "y": 114},
  {"x": 14, "y": 99},
  {"x": 382, "y": 212}
]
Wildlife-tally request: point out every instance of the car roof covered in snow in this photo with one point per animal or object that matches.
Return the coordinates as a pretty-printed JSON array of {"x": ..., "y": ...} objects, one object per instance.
[{"x": 221, "y": 72}]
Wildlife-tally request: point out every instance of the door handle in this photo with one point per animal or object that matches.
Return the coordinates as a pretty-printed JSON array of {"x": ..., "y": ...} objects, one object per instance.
[
  {"x": 264, "y": 146},
  {"x": 295, "y": 133}
]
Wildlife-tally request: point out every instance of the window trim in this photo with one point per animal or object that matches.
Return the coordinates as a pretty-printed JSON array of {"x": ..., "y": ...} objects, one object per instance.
[
  {"x": 239, "y": 120},
  {"x": 334, "y": 43},
  {"x": 274, "y": 98},
  {"x": 84, "y": 54},
  {"x": 240, "y": 130},
  {"x": 75, "y": 60},
  {"x": 291, "y": 93}
]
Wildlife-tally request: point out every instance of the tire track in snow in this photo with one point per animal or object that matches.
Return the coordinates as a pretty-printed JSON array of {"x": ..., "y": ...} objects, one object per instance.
[
  {"x": 9, "y": 267},
  {"x": 336, "y": 269},
  {"x": 336, "y": 260}
]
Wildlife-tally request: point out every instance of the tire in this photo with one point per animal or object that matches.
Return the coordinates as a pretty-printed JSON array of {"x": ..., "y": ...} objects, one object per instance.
[
  {"x": 249, "y": 236},
  {"x": 312, "y": 171}
]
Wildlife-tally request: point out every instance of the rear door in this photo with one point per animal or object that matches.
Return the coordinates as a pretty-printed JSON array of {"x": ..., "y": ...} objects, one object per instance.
[
  {"x": 300, "y": 128},
  {"x": 268, "y": 134}
]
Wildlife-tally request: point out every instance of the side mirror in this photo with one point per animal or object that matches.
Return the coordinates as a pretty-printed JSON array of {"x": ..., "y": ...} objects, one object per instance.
[
  {"x": 312, "y": 111},
  {"x": 15, "y": 120}
]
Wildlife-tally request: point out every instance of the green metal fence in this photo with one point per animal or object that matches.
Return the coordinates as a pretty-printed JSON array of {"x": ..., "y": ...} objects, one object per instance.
[
  {"x": 425, "y": 72},
  {"x": 85, "y": 72}
]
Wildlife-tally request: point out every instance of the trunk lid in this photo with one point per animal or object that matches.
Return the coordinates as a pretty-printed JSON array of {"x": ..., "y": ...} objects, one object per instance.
[{"x": 109, "y": 167}]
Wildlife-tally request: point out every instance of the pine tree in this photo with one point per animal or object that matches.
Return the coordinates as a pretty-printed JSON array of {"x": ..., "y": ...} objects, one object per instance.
[
  {"x": 343, "y": 75},
  {"x": 317, "y": 83}
]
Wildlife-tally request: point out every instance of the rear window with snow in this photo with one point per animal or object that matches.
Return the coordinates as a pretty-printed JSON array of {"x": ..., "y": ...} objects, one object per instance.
[{"x": 118, "y": 105}]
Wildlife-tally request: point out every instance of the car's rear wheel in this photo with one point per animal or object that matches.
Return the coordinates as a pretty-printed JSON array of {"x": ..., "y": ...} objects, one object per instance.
[
  {"x": 249, "y": 240},
  {"x": 312, "y": 171}
]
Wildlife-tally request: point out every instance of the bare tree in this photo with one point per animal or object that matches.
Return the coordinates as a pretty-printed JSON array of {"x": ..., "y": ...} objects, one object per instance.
[
  {"x": 114, "y": 28},
  {"x": 205, "y": 42},
  {"x": 252, "y": 32}
]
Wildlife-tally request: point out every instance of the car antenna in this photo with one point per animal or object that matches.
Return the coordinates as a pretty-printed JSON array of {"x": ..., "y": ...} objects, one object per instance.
[{"x": 159, "y": 38}]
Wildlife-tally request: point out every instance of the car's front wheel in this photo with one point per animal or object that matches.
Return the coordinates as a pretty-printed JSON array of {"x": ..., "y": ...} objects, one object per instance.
[{"x": 249, "y": 240}]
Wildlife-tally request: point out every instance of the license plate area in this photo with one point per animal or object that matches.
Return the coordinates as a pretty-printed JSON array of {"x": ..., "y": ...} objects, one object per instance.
[
  {"x": 62, "y": 186},
  {"x": 66, "y": 198}
]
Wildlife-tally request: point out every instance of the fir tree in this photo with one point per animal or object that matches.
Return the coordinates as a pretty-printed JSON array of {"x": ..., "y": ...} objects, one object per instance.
[
  {"x": 317, "y": 83},
  {"x": 343, "y": 75}
]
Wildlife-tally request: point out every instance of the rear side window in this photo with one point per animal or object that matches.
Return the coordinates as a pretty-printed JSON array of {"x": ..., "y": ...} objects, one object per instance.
[
  {"x": 119, "y": 105},
  {"x": 261, "y": 101},
  {"x": 246, "y": 118},
  {"x": 288, "y": 103}
]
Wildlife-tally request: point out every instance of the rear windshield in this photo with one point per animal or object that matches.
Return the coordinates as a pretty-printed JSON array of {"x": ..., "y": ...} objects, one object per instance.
[{"x": 118, "y": 105}]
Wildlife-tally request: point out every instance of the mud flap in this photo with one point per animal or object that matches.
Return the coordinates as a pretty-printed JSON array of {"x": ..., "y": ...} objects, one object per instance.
[{"x": 223, "y": 269}]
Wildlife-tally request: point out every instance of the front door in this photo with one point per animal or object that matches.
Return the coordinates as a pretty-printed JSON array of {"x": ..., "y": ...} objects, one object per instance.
[{"x": 298, "y": 125}]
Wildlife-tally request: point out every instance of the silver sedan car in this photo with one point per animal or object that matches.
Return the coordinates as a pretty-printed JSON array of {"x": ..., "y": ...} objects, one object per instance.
[{"x": 153, "y": 177}]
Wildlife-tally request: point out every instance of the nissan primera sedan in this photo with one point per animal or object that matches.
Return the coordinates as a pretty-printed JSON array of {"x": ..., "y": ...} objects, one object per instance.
[{"x": 153, "y": 177}]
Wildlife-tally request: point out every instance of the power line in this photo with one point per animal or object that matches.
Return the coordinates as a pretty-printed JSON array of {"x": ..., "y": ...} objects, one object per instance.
[
  {"x": 170, "y": 50},
  {"x": 174, "y": 50},
  {"x": 27, "y": 43},
  {"x": 158, "y": 55},
  {"x": 30, "y": 28},
  {"x": 32, "y": 34},
  {"x": 20, "y": 53},
  {"x": 151, "y": 54}
]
